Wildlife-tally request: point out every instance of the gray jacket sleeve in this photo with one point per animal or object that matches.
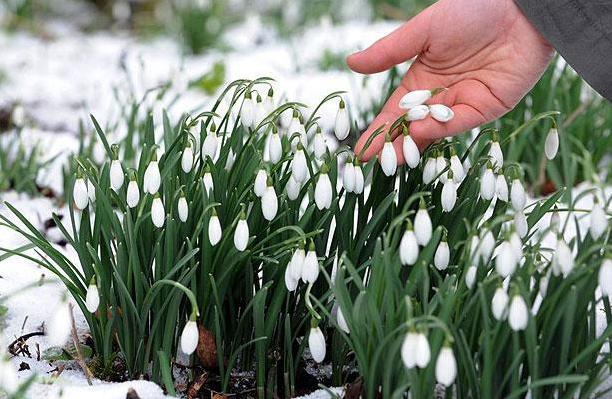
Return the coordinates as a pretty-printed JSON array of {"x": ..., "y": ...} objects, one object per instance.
[{"x": 581, "y": 31}]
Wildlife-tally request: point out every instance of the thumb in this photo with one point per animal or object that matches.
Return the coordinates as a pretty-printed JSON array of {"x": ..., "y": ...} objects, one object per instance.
[{"x": 402, "y": 44}]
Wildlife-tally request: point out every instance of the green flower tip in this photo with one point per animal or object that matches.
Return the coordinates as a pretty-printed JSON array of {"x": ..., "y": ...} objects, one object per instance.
[
  {"x": 449, "y": 174},
  {"x": 495, "y": 136},
  {"x": 269, "y": 181},
  {"x": 194, "y": 314},
  {"x": 324, "y": 168},
  {"x": 247, "y": 95},
  {"x": 311, "y": 246},
  {"x": 319, "y": 131},
  {"x": 93, "y": 280},
  {"x": 405, "y": 130},
  {"x": 387, "y": 137},
  {"x": 258, "y": 98},
  {"x": 214, "y": 211},
  {"x": 115, "y": 151},
  {"x": 270, "y": 92},
  {"x": 437, "y": 90},
  {"x": 444, "y": 235},
  {"x": 422, "y": 203},
  {"x": 299, "y": 146},
  {"x": 213, "y": 127},
  {"x": 409, "y": 225},
  {"x": 314, "y": 323},
  {"x": 296, "y": 113},
  {"x": 342, "y": 105}
]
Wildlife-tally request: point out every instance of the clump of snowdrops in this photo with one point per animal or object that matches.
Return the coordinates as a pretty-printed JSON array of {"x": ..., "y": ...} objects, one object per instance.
[{"x": 242, "y": 225}]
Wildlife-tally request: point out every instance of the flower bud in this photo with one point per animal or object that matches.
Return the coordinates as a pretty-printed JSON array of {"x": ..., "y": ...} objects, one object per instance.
[
  {"x": 323, "y": 190},
  {"x": 487, "y": 184},
  {"x": 209, "y": 146},
  {"x": 414, "y": 98},
  {"x": 348, "y": 177},
  {"x": 417, "y": 113},
  {"x": 388, "y": 158},
  {"x": 157, "y": 212},
  {"x": 292, "y": 188},
  {"x": 598, "y": 220},
  {"x": 499, "y": 304},
  {"x": 91, "y": 191},
  {"x": 429, "y": 170},
  {"x": 411, "y": 152},
  {"x": 183, "y": 209},
  {"x": 316, "y": 344},
  {"x": 422, "y": 225},
  {"x": 359, "y": 180},
  {"x": 310, "y": 269},
  {"x": 343, "y": 125},
  {"x": 290, "y": 282},
  {"x": 441, "y": 112},
  {"x": 555, "y": 221},
  {"x": 496, "y": 155},
  {"x": 487, "y": 245},
  {"x": 408, "y": 350},
  {"x": 209, "y": 185},
  {"x": 241, "y": 235},
  {"x": 275, "y": 147},
  {"x": 296, "y": 264},
  {"x": 92, "y": 297},
  {"x": 505, "y": 261},
  {"x": 520, "y": 224},
  {"x": 320, "y": 147},
  {"x": 442, "y": 255},
  {"x": 501, "y": 187},
  {"x": 409, "y": 249},
  {"x": 470, "y": 277},
  {"x": 79, "y": 193},
  {"x": 422, "y": 352},
  {"x": 517, "y": 195},
  {"x": 299, "y": 167},
  {"x": 449, "y": 194},
  {"x": 214, "y": 229},
  {"x": 297, "y": 127},
  {"x": 187, "y": 159},
  {"x": 116, "y": 175},
  {"x": 261, "y": 179},
  {"x": 605, "y": 277},
  {"x": 342, "y": 321},
  {"x": 269, "y": 202},
  {"x": 551, "y": 145},
  {"x": 563, "y": 259},
  {"x": 446, "y": 367},
  {"x": 133, "y": 194},
  {"x": 457, "y": 168},
  {"x": 518, "y": 314},
  {"x": 189, "y": 337},
  {"x": 247, "y": 112},
  {"x": 152, "y": 178}
]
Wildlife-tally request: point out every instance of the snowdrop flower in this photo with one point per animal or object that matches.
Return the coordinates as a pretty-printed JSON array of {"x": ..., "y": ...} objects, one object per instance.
[
  {"x": 551, "y": 145},
  {"x": 416, "y": 97},
  {"x": 260, "y": 111},
  {"x": 348, "y": 176},
  {"x": 598, "y": 220},
  {"x": 116, "y": 175},
  {"x": 409, "y": 249},
  {"x": 506, "y": 260},
  {"x": 323, "y": 189},
  {"x": 417, "y": 113},
  {"x": 183, "y": 209},
  {"x": 518, "y": 314},
  {"x": 388, "y": 157},
  {"x": 275, "y": 147},
  {"x": 91, "y": 191},
  {"x": 304, "y": 205},
  {"x": 517, "y": 195},
  {"x": 79, "y": 193},
  {"x": 319, "y": 144},
  {"x": 157, "y": 212},
  {"x": 190, "y": 336},
  {"x": 92, "y": 297},
  {"x": 247, "y": 112},
  {"x": 292, "y": 188},
  {"x": 517, "y": 245},
  {"x": 543, "y": 286},
  {"x": 442, "y": 255},
  {"x": 214, "y": 229},
  {"x": 359, "y": 179},
  {"x": 441, "y": 112},
  {"x": 475, "y": 248},
  {"x": 501, "y": 187},
  {"x": 133, "y": 194},
  {"x": 210, "y": 144},
  {"x": 290, "y": 282},
  {"x": 470, "y": 277},
  {"x": 269, "y": 202},
  {"x": 410, "y": 150},
  {"x": 229, "y": 162},
  {"x": 343, "y": 125},
  {"x": 408, "y": 350},
  {"x": 520, "y": 224},
  {"x": 316, "y": 344},
  {"x": 208, "y": 181},
  {"x": 310, "y": 268},
  {"x": 487, "y": 184},
  {"x": 440, "y": 165},
  {"x": 296, "y": 264},
  {"x": 18, "y": 118},
  {"x": 152, "y": 177},
  {"x": 456, "y": 167},
  {"x": 342, "y": 321},
  {"x": 261, "y": 182},
  {"x": 495, "y": 153},
  {"x": 59, "y": 325},
  {"x": 299, "y": 167},
  {"x": 563, "y": 259},
  {"x": 448, "y": 197},
  {"x": 422, "y": 352},
  {"x": 446, "y": 366},
  {"x": 187, "y": 158},
  {"x": 268, "y": 102},
  {"x": 605, "y": 277},
  {"x": 429, "y": 170},
  {"x": 499, "y": 304},
  {"x": 241, "y": 234},
  {"x": 422, "y": 225},
  {"x": 487, "y": 245},
  {"x": 296, "y": 126},
  {"x": 555, "y": 220}
]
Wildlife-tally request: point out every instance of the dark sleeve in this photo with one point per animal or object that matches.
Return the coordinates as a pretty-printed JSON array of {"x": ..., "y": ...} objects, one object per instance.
[{"x": 581, "y": 31}]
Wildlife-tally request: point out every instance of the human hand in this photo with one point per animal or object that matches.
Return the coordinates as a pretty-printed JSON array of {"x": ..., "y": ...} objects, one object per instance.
[{"x": 485, "y": 52}]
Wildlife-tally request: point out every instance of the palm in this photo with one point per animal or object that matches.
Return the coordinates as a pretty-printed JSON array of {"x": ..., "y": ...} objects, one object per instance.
[{"x": 485, "y": 52}]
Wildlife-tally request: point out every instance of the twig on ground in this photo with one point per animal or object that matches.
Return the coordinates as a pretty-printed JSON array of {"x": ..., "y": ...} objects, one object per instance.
[{"x": 77, "y": 347}]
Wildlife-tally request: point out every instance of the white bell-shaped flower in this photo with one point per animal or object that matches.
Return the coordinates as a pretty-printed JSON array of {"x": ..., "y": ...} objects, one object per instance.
[
  {"x": 487, "y": 245},
  {"x": 448, "y": 197},
  {"x": 152, "y": 177},
  {"x": 323, "y": 190},
  {"x": 296, "y": 264},
  {"x": 293, "y": 188},
  {"x": 91, "y": 191},
  {"x": 214, "y": 229},
  {"x": 605, "y": 277},
  {"x": 209, "y": 184},
  {"x": 296, "y": 126},
  {"x": 310, "y": 268},
  {"x": 410, "y": 151},
  {"x": 446, "y": 366},
  {"x": 348, "y": 176},
  {"x": 598, "y": 220},
  {"x": 241, "y": 234},
  {"x": 501, "y": 187},
  {"x": 487, "y": 184},
  {"x": 520, "y": 224},
  {"x": 470, "y": 277},
  {"x": 359, "y": 179},
  {"x": 342, "y": 126},
  {"x": 261, "y": 182},
  {"x": 116, "y": 175},
  {"x": 190, "y": 337},
  {"x": 158, "y": 214},
  {"x": 316, "y": 344},
  {"x": 79, "y": 193},
  {"x": 409, "y": 249},
  {"x": 187, "y": 158},
  {"x": 183, "y": 209},
  {"x": 422, "y": 225},
  {"x": 517, "y": 195},
  {"x": 388, "y": 158},
  {"x": 563, "y": 259},
  {"x": 429, "y": 170},
  {"x": 417, "y": 113},
  {"x": 319, "y": 144},
  {"x": 505, "y": 261},
  {"x": 551, "y": 145},
  {"x": 268, "y": 102},
  {"x": 518, "y": 313},
  {"x": 290, "y": 282},
  {"x": 496, "y": 154},
  {"x": 408, "y": 350},
  {"x": 499, "y": 304},
  {"x": 414, "y": 98},
  {"x": 442, "y": 255},
  {"x": 555, "y": 221},
  {"x": 457, "y": 167},
  {"x": 269, "y": 202},
  {"x": 210, "y": 144},
  {"x": 441, "y": 112},
  {"x": 247, "y": 112},
  {"x": 133, "y": 194},
  {"x": 275, "y": 147},
  {"x": 342, "y": 321},
  {"x": 299, "y": 166},
  {"x": 422, "y": 352},
  {"x": 92, "y": 297}
]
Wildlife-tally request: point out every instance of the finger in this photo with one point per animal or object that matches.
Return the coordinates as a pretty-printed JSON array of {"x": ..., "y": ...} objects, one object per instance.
[
  {"x": 473, "y": 105},
  {"x": 402, "y": 44}
]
